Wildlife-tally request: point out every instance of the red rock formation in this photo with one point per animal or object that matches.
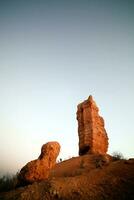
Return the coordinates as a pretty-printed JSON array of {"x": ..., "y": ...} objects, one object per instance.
[
  {"x": 92, "y": 134},
  {"x": 39, "y": 169}
]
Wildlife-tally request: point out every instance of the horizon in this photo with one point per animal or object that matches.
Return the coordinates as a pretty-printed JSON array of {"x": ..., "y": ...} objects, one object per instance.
[{"x": 53, "y": 55}]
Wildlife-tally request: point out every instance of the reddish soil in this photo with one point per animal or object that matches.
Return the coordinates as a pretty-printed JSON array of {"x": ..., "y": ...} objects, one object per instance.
[{"x": 89, "y": 177}]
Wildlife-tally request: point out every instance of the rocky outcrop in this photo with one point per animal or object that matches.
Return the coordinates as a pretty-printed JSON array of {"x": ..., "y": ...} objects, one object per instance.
[
  {"x": 39, "y": 169},
  {"x": 87, "y": 177},
  {"x": 92, "y": 134}
]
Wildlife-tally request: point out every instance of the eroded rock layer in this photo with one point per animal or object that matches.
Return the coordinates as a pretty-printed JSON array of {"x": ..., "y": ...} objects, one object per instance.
[
  {"x": 92, "y": 134},
  {"x": 39, "y": 169}
]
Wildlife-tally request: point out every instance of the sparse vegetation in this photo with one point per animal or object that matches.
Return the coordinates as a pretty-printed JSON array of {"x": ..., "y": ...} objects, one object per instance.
[
  {"x": 117, "y": 156},
  {"x": 96, "y": 181},
  {"x": 8, "y": 182}
]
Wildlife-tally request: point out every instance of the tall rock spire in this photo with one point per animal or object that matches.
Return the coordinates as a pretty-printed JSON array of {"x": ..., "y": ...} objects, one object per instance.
[{"x": 92, "y": 134}]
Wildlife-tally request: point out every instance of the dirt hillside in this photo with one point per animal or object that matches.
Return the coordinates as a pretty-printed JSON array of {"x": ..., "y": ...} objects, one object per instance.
[{"x": 89, "y": 177}]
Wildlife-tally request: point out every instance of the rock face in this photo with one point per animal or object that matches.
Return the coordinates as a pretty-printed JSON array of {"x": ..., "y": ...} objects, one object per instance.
[
  {"x": 39, "y": 169},
  {"x": 92, "y": 134}
]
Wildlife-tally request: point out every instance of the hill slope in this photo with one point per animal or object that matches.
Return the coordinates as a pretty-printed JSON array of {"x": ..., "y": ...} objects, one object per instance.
[{"x": 89, "y": 177}]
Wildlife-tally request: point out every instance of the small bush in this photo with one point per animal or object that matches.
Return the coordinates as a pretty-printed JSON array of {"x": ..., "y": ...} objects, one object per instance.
[
  {"x": 117, "y": 156},
  {"x": 8, "y": 182}
]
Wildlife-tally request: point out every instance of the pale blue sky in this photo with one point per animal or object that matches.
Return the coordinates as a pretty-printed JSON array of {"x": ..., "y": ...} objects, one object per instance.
[{"x": 53, "y": 55}]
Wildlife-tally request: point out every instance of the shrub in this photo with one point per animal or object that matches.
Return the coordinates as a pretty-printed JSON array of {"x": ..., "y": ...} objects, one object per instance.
[
  {"x": 117, "y": 156},
  {"x": 8, "y": 182}
]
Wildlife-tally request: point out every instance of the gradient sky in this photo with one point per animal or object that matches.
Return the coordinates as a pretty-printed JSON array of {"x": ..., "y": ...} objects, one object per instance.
[{"x": 53, "y": 55}]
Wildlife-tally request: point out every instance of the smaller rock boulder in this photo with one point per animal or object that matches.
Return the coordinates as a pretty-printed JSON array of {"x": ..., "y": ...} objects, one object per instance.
[{"x": 39, "y": 169}]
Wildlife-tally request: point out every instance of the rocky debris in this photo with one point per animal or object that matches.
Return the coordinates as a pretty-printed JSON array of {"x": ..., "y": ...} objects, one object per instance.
[
  {"x": 39, "y": 169},
  {"x": 76, "y": 166},
  {"x": 108, "y": 182},
  {"x": 102, "y": 160},
  {"x": 92, "y": 134}
]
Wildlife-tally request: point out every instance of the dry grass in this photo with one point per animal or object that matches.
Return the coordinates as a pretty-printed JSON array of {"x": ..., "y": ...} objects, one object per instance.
[{"x": 8, "y": 182}]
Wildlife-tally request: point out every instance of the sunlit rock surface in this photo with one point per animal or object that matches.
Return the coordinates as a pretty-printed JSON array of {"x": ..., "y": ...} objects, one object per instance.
[{"x": 92, "y": 134}]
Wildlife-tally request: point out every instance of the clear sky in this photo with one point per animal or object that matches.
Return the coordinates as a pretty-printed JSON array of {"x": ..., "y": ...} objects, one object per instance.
[{"x": 53, "y": 55}]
